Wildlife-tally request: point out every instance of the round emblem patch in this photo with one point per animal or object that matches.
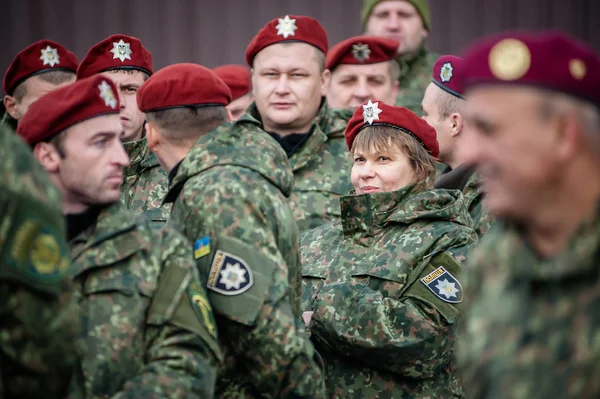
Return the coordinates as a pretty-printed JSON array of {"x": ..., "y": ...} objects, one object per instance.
[
  {"x": 577, "y": 68},
  {"x": 509, "y": 59}
]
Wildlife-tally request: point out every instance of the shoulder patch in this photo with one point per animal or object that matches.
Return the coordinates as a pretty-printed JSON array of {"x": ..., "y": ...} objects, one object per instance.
[
  {"x": 37, "y": 248},
  {"x": 229, "y": 274},
  {"x": 201, "y": 247},
  {"x": 202, "y": 307},
  {"x": 444, "y": 285}
]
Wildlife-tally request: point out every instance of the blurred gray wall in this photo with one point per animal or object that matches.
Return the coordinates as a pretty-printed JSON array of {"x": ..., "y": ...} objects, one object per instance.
[{"x": 214, "y": 32}]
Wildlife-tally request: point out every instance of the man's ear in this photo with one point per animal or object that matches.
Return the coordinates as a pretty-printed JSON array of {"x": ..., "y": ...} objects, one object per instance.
[
  {"x": 48, "y": 156},
  {"x": 456, "y": 124},
  {"x": 153, "y": 136},
  {"x": 325, "y": 77},
  {"x": 10, "y": 103}
]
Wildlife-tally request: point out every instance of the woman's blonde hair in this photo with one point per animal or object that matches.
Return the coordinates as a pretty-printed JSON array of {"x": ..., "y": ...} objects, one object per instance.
[{"x": 376, "y": 139}]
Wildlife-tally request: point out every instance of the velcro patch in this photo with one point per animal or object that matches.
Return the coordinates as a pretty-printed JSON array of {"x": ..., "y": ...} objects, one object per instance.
[
  {"x": 201, "y": 247},
  {"x": 202, "y": 307},
  {"x": 444, "y": 285},
  {"x": 229, "y": 274}
]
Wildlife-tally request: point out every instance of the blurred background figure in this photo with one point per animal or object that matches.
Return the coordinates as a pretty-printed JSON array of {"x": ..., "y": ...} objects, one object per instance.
[
  {"x": 237, "y": 78},
  {"x": 408, "y": 22},
  {"x": 532, "y": 291}
]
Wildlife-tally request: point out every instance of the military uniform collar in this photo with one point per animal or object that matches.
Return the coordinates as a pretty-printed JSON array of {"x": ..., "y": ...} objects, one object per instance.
[
  {"x": 308, "y": 149},
  {"x": 579, "y": 257},
  {"x": 112, "y": 220},
  {"x": 9, "y": 122},
  {"x": 137, "y": 151},
  {"x": 454, "y": 178}
]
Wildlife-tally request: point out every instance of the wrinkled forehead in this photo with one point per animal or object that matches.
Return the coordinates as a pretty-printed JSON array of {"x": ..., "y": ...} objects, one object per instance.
[{"x": 288, "y": 55}]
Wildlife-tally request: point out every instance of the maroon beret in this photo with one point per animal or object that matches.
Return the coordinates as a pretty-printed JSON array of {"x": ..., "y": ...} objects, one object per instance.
[
  {"x": 291, "y": 28},
  {"x": 56, "y": 111},
  {"x": 39, "y": 57},
  {"x": 116, "y": 52},
  {"x": 446, "y": 74},
  {"x": 401, "y": 118},
  {"x": 236, "y": 77},
  {"x": 549, "y": 59},
  {"x": 182, "y": 85},
  {"x": 360, "y": 50}
]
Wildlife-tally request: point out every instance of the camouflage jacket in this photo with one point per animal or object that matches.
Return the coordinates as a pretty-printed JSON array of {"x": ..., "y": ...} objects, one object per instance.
[
  {"x": 231, "y": 193},
  {"x": 148, "y": 327},
  {"x": 415, "y": 76},
  {"x": 8, "y": 124},
  {"x": 465, "y": 179},
  {"x": 383, "y": 284},
  {"x": 145, "y": 183},
  {"x": 530, "y": 327},
  {"x": 321, "y": 169},
  {"x": 39, "y": 320}
]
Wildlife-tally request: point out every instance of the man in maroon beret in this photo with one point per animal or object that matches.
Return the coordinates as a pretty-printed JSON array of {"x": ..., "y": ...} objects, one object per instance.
[
  {"x": 532, "y": 319},
  {"x": 237, "y": 78},
  {"x": 362, "y": 68},
  {"x": 290, "y": 80},
  {"x": 126, "y": 61},
  {"x": 38, "y": 69},
  {"x": 443, "y": 108},
  {"x": 229, "y": 184},
  {"x": 148, "y": 329}
]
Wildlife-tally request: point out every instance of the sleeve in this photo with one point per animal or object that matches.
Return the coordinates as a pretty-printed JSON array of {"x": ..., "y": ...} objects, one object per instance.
[
  {"x": 410, "y": 335},
  {"x": 39, "y": 318},
  {"x": 249, "y": 286},
  {"x": 182, "y": 353}
]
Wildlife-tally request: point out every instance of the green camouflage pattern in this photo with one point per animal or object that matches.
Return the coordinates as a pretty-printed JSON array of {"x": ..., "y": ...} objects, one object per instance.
[
  {"x": 39, "y": 317},
  {"x": 8, "y": 124},
  {"x": 145, "y": 184},
  {"x": 530, "y": 327},
  {"x": 482, "y": 219},
  {"x": 233, "y": 189},
  {"x": 142, "y": 337},
  {"x": 415, "y": 76},
  {"x": 321, "y": 169},
  {"x": 381, "y": 332}
]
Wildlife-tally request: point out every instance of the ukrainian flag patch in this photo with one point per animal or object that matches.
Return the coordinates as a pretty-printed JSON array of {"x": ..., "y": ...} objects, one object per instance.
[{"x": 201, "y": 247}]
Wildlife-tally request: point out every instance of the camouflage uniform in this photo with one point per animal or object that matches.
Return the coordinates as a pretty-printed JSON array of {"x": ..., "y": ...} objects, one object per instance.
[
  {"x": 8, "y": 124},
  {"x": 530, "y": 328},
  {"x": 230, "y": 199},
  {"x": 39, "y": 321},
  {"x": 145, "y": 183},
  {"x": 382, "y": 332},
  {"x": 148, "y": 328},
  {"x": 415, "y": 76},
  {"x": 465, "y": 179},
  {"x": 321, "y": 169}
]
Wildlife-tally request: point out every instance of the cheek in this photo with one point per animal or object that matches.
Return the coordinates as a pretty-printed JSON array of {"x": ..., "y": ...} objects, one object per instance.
[{"x": 396, "y": 176}]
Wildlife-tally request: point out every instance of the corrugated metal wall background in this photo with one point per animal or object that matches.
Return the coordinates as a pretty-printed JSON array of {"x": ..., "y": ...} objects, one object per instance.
[{"x": 214, "y": 32}]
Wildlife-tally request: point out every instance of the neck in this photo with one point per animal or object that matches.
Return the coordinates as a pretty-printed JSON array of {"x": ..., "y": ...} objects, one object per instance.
[
  {"x": 555, "y": 221},
  {"x": 171, "y": 155},
  {"x": 73, "y": 207},
  {"x": 138, "y": 135},
  {"x": 286, "y": 131}
]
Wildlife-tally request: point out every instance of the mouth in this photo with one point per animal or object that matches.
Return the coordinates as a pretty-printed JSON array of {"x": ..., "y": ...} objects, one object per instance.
[
  {"x": 369, "y": 189},
  {"x": 115, "y": 178},
  {"x": 281, "y": 105},
  {"x": 124, "y": 119}
]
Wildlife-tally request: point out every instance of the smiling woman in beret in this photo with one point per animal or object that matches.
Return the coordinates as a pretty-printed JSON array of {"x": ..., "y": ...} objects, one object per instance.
[{"x": 381, "y": 286}]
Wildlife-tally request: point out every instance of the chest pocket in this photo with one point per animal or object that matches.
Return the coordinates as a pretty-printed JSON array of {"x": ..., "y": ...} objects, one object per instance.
[
  {"x": 389, "y": 281},
  {"x": 313, "y": 280}
]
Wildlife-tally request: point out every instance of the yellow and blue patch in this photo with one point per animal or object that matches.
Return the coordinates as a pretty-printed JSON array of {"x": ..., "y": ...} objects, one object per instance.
[
  {"x": 201, "y": 247},
  {"x": 444, "y": 285}
]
